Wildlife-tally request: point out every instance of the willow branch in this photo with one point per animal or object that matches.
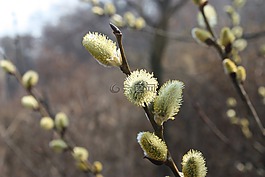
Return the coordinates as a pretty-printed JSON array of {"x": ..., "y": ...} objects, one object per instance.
[
  {"x": 45, "y": 112},
  {"x": 41, "y": 108},
  {"x": 157, "y": 128},
  {"x": 238, "y": 86}
]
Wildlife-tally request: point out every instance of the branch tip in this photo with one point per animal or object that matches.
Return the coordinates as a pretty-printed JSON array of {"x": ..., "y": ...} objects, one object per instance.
[{"x": 115, "y": 29}]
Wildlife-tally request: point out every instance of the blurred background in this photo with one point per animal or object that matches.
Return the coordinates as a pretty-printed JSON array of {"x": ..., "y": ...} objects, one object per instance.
[{"x": 46, "y": 36}]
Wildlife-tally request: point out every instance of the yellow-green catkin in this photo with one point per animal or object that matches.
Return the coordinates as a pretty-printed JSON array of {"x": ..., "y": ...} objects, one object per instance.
[
  {"x": 61, "y": 121},
  {"x": 229, "y": 66},
  {"x": 109, "y": 8},
  {"x": 8, "y": 66},
  {"x": 231, "y": 102},
  {"x": 30, "y": 102},
  {"x": 193, "y": 164},
  {"x": 210, "y": 15},
  {"x": 139, "y": 23},
  {"x": 168, "y": 101},
  {"x": 98, "y": 167},
  {"x": 239, "y": 3},
  {"x": 261, "y": 91},
  {"x": 117, "y": 20},
  {"x": 237, "y": 31},
  {"x": 240, "y": 44},
  {"x": 140, "y": 87},
  {"x": 231, "y": 113},
  {"x": 129, "y": 18},
  {"x": 58, "y": 145},
  {"x": 201, "y": 36},
  {"x": 241, "y": 74},
  {"x": 80, "y": 154},
  {"x": 154, "y": 148},
  {"x": 30, "y": 79},
  {"x": 46, "y": 123},
  {"x": 97, "y": 10},
  {"x": 235, "y": 17},
  {"x": 226, "y": 36},
  {"x": 102, "y": 49}
]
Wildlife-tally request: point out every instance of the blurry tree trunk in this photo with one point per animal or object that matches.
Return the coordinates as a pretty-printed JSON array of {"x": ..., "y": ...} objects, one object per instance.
[
  {"x": 160, "y": 42},
  {"x": 157, "y": 51}
]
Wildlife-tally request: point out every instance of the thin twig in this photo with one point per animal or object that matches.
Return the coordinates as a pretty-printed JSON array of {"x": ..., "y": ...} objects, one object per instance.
[
  {"x": 158, "y": 129},
  {"x": 172, "y": 165},
  {"x": 124, "y": 67},
  {"x": 221, "y": 136},
  {"x": 210, "y": 124}
]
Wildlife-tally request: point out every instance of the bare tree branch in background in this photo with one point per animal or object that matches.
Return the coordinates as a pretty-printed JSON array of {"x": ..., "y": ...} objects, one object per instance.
[{"x": 254, "y": 35}]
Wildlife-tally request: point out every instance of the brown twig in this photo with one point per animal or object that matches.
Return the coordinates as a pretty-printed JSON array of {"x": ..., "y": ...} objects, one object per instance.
[
  {"x": 124, "y": 67},
  {"x": 210, "y": 124}
]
